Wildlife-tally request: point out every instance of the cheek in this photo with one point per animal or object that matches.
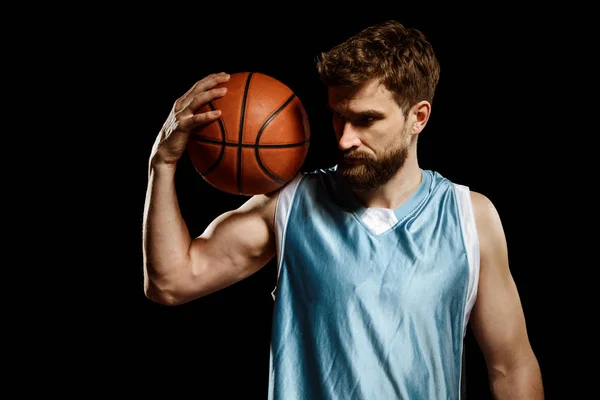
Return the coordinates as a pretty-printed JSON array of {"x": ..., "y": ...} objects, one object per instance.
[{"x": 391, "y": 139}]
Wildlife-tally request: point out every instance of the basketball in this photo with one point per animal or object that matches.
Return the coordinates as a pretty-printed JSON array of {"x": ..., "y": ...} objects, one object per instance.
[{"x": 260, "y": 141}]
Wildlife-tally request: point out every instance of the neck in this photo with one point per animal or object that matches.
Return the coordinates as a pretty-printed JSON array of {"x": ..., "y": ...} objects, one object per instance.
[{"x": 398, "y": 189}]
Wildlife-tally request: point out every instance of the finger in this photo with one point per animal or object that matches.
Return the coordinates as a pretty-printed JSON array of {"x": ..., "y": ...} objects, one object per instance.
[
  {"x": 201, "y": 86},
  {"x": 204, "y": 98},
  {"x": 195, "y": 121}
]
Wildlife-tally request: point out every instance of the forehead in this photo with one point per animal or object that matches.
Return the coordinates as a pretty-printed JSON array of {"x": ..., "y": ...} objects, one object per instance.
[{"x": 371, "y": 95}]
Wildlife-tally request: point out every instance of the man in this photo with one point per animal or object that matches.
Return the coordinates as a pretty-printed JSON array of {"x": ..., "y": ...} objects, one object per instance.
[{"x": 381, "y": 264}]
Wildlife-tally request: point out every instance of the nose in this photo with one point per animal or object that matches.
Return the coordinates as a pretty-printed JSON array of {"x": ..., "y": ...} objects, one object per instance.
[{"x": 349, "y": 137}]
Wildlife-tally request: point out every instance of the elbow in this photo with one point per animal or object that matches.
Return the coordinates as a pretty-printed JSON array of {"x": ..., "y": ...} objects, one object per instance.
[
  {"x": 178, "y": 286},
  {"x": 520, "y": 379},
  {"x": 161, "y": 294}
]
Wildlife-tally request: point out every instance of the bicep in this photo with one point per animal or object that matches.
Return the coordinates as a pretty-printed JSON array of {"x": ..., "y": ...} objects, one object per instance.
[
  {"x": 497, "y": 319},
  {"x": 234, "y": 246}
]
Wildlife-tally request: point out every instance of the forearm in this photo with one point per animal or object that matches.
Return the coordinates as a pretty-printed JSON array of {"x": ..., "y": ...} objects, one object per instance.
[
  {"x": 523, "y": 382},
  {"x": 166, "y": 238}
]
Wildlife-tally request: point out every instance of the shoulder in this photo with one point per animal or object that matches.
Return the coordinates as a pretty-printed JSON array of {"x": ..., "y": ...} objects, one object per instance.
[
  {"x": 484, "y": 209},
  {"x": 482, "y": 205},
  {"x": 267, "y": 204},
  {"x": 488, "y": 222},
  {"x": 262, "y": 206}
]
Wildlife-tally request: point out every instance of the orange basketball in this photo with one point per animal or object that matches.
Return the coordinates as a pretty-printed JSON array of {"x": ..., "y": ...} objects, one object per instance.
[{"x": 260, "y": 141}]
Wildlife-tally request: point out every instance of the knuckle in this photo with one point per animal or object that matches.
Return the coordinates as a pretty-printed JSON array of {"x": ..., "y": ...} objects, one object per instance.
[
  {"x": 179, "y": 104},
  {"x": 193, "y": 104}
]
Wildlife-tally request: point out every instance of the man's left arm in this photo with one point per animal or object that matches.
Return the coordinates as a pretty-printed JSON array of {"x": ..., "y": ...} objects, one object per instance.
[{"x": 497, "y": 319}]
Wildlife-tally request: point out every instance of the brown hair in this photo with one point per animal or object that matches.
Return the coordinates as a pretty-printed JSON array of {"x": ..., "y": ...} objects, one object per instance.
[{"x": 402, "y": 58}]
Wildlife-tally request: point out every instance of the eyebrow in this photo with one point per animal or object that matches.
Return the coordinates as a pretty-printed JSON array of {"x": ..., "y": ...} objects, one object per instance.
[{"x": 370, "y": 113}]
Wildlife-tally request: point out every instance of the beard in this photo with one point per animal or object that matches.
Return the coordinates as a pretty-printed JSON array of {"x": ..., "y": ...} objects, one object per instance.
[{"x": 371, "y": 174}]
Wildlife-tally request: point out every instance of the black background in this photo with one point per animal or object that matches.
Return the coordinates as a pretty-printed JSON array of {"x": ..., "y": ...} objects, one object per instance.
[{"x": 493, "y": 127}]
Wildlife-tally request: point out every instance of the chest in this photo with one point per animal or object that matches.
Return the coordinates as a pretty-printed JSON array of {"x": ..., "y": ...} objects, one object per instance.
[{"x": 335, "y": 255}]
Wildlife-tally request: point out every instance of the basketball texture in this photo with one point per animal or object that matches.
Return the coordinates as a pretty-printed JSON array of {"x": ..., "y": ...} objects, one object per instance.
[{"x": 260, "y": 141}]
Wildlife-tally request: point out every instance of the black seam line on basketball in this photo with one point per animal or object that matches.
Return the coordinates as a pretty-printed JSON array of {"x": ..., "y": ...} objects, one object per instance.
[
  {"x": 222, "y": 151},
  {"x": 247, "y": 145},
  {"x": 241, "y": 133},
  {"x": 260, "y": 132}
]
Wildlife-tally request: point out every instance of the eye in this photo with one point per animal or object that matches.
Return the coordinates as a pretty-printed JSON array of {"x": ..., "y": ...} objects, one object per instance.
[{"x": 364, "y": 121}]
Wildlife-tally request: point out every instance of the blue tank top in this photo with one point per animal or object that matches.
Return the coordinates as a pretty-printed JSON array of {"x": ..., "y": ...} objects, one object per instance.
[{"x": 371, "y": 303}]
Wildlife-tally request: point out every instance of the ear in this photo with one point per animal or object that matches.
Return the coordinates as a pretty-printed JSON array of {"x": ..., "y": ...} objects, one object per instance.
[{"x": 421, "y": 112}]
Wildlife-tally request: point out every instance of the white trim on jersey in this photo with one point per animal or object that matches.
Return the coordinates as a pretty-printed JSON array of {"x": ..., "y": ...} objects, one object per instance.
[
  {"x": 471, "y": 241},
  {"x": 282, "y": 211}
]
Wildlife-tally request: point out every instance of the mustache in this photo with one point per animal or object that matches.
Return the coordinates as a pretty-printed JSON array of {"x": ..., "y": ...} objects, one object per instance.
[{"x": 357, "y": 155}]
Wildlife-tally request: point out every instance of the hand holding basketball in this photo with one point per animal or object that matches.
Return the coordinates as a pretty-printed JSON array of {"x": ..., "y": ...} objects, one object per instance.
[
  {"x": 185, "y": 117},
  {"x": 259, "y": 142}
]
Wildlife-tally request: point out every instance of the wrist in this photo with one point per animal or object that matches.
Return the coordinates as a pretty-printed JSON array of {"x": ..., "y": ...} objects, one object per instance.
[{"x": 159, "y": 164}]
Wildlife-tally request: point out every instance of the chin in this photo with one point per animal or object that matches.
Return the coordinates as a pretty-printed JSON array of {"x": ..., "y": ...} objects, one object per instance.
[
  {"x": 353, "y": 171},
  {"x": 358, "y": 179}
]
